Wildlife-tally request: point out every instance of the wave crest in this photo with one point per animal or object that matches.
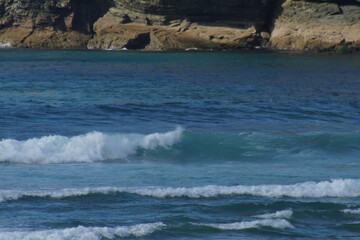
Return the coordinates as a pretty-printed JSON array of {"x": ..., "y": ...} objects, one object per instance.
[
  {"x": 85, "y": 233},
  {"x": 91, "y": 147},
  {"x": 279, "y": 214},
  {"x": 273, "y": 223},
  {"x": 335, "y": 188},
  {"x": 179, "y": 145},
  {"x": 351, "y": 211}
]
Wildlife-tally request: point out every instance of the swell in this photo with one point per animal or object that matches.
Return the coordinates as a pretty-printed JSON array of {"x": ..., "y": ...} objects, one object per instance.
[
  {"x": 178, "y": 145},
  {"x": 268, "y": 146},
  {"x": 80, "y": 232},
  {"x": 338, "y": 188},
  {"x": 137, "y": 231}
]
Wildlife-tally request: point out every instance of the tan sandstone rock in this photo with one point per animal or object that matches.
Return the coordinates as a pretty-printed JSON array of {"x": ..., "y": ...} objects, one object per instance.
[
  {"x": 304, "y": 25},
  {"x": 112, "y": 33}
]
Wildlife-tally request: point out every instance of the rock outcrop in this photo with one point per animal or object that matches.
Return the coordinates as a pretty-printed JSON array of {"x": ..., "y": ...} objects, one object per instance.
[
  {"x": 314, "y": 25},
  {"x": 180, "y": 24},
  {"x": 317, "y": 26},
  {"x": 49, "y": 23}
]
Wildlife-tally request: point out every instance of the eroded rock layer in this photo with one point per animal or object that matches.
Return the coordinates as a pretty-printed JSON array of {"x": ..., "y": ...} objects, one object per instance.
[
  {"x": 317, "y": 26},
  {"x": 49, "y": 23},
  {"x": 180, "y": 24}
]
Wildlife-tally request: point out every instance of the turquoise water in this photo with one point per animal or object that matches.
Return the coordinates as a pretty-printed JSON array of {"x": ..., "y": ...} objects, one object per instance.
[{"x": 131, "y": 145}]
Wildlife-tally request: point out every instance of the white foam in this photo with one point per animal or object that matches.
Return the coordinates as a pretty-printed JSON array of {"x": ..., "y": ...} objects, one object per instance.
[
  {"x": 91, "y": 147},
  {"x": 287, "y": 214},
  {"x": 8, "y": 195},
  {"x": 273, "y": 223},
  {"x": 5, "y": 45},
  {"x": 334, "y": 188},
  {"x": 84, "y": 233},
  {"x": 351, "y": 211}
]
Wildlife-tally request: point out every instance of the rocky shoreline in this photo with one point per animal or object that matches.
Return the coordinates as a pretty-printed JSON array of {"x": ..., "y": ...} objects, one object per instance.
[{"x": 158, "y": 25}]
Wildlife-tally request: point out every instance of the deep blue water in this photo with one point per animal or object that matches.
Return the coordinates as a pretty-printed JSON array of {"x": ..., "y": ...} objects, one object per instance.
[{"x": 113, "y": 145}]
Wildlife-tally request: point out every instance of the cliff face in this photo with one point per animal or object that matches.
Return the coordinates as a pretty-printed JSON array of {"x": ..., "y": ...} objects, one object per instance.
[
  {"x": 317, "y": 25},
  {"x": 180, "y": 24},
  {"x": 49, "y": 23},
  {"x": 206, "y": 10}
]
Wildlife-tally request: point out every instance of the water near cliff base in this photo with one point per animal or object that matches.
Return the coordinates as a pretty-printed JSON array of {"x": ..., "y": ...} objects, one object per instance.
[{"x": 122, "y": 145}]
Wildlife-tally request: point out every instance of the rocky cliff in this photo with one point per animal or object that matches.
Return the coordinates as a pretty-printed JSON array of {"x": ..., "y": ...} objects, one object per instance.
[
  {"x": 180, "y": 24},
  {"x": 317, "y": 26}
]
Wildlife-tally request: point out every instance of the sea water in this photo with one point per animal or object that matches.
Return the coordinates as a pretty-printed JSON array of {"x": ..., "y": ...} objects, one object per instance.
[{"x": 132, "y": 145}]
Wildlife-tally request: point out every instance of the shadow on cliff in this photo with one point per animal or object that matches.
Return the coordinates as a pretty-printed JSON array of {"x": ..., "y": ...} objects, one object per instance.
[
  {"x": 262, "y": 18},
  {"x": 87, "y": 12},
  {"x": 275, "y": 10}
]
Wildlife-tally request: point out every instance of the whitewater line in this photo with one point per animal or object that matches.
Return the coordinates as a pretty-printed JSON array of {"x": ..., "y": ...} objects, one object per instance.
[
  {"x": 335, "y": 188},
  {"x": 273, "y": 223},
  {"x": 139, "y": 230},
  {"x": 84, "y": 233}
]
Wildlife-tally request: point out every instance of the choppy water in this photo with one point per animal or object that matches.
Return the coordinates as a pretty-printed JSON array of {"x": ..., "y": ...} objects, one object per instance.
[{"x": 121, "y": 145}]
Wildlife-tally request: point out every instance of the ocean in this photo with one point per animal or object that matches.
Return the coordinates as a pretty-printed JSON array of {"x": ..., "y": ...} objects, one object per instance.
[{"x": 145, "y": 145}]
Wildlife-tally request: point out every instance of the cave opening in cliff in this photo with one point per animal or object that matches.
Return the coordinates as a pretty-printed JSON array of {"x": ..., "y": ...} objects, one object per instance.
[{"x": 86, "y": 12}]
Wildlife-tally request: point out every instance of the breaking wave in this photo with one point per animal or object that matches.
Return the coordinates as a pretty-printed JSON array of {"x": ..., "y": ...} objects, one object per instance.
[
  {"x": 84, "y": 233},
  {"x": 351, "y": 211},
  {"x": 91, "y": 147},
  {"x": 273, "y": 223},
  {"x": 335, "y": 188},
  {"x": 178, "y": 145},
  {"x": 279, "y": 214}
]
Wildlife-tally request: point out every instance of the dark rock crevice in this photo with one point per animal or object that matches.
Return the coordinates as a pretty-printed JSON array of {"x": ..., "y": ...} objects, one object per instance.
[
  {"x": 274, "y": 11},
  {"x": 139, "y": 42},
  {"x": 87, "y": 12}
]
